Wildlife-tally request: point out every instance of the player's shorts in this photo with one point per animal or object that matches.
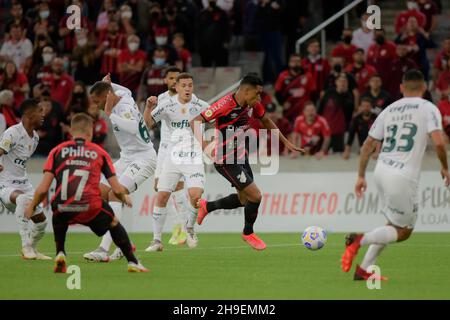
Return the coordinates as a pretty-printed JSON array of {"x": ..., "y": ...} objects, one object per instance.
[
  {"x": 132, "y": 173},
  {"x": 8, "y": 187},
  {"x": 99, "y": 220},
  {"x": 192, "y": 174},
  {"x": 163, "y": 151},
  {"x": 399, "y": 196},
  {"x": 239, "y": 175}
]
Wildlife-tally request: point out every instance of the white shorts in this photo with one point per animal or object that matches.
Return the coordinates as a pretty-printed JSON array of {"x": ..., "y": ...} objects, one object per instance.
[
  {"x": 399, "y": 196},
  {"x": 132, "y": 173},
  {"x": 163, "y": 151},
  {"x": 7, "y": 188},
  {"x": 193, "y": 175}
]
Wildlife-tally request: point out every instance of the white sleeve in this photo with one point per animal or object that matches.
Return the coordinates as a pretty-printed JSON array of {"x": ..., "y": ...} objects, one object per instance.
[
  {"x": 118, "y": 89},
  {"x": 124, "y": 118},
  {"x": 159, "y": 112},
  {"x": 377, "y": 129},
  {"x": 433, "y": 118},
  {"x": 7, "y": 140},
  {"x": 2, "y": 124}
]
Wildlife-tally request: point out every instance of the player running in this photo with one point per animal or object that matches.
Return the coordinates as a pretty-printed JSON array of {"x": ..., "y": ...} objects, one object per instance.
[
  {"x": 17, "y": 145},
  {"x": 403, "y": 127},
  {"x": 178, "y": 198},
  {"x": 232, "y": 114},
  {"x": 137, "y": 156},
  {"x": 77, "y": 166},
  {"x": 184, "y": 157}
]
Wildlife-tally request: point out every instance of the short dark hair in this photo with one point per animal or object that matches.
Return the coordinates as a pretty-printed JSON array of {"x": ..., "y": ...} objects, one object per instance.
[
  {"x": 360, "y": 50},
  {"x": 100, "y": 87},
  {"x": 295, "y": 55},
  {"x": 366, "y": 99},
  {"x": 251, "y": 79},
  {"x": 313, "y": 40},
  {"x": 171, "y": 69},
  {"x": 27, "y": 105},
  {"x": 413, "y": 75},
  {"x": 80, "y": 121},
  {"x": 185, "y": 75}
]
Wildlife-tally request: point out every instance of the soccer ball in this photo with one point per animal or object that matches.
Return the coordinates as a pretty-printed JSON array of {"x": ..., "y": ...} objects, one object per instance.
[{"x": 314, "y": 238}]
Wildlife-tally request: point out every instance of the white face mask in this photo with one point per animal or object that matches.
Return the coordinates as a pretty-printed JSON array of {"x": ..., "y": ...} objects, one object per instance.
[
  {"x": 133, "y": 46},
  {"x": 44, "y": 14},
  {"x": 127, "y": 14},
  {"x": 47, "y": 57},
  {"x": 412, "y": 5},
  {"x": 161, "y": 41},
  {"x": 82, "y": 42}
]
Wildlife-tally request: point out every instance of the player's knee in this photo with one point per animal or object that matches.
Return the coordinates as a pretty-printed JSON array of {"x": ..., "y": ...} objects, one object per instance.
[
  {"x": 114, "y": 222},
  {"x": 403, "y": 234},
  {"x": 255, "y": 196},
  {"x": 162, "y": 198}
]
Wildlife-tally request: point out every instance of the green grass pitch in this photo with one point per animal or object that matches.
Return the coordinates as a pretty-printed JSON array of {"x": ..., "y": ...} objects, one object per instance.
[{"x": 224, "y": 267}]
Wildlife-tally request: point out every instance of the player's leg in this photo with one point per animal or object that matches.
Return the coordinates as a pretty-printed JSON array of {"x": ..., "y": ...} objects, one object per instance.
[
  {"x": 195, "y": 194},
  {"x": 179, "y": 204},
  {"x": 60, "y": 226}
]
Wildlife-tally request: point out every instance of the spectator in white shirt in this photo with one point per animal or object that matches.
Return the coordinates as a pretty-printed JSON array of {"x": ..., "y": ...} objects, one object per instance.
[
  {"x": 363, "y": 37},
  {"x": 18, "y": 49}
]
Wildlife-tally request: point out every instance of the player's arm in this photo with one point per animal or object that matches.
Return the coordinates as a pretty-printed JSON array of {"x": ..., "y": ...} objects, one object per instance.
[
  {"x": 2, "y": 152},
  {"x": 366, "y": 150},
  {"x": 124, "y": 121},
  {"x": 270, "y": 125},
  {"x": 119, "y": 191},
  {"x": 40, "y": 194},
  {"x": 149, "y": 107},
  {"x": 196, "y": 127},
  {"x": 437, "y": 137}
]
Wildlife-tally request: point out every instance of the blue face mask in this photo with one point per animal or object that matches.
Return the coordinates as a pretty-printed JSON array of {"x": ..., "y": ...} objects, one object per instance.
[{"x": 159, "y": 61}]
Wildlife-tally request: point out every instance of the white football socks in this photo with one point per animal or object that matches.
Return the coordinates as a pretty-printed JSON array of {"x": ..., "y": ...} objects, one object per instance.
[
  {"x": 22, "y": 201},
  {"x": 37, "y": 232},
  {"x": 191, "y": 216},
  {"x": 380, "y": 235},
  {"x": 159, "y": 218},
  {"x": 371, "y": 255},
  {"x": 107, "y": 239},
  {"x": 180, "y": 205}
]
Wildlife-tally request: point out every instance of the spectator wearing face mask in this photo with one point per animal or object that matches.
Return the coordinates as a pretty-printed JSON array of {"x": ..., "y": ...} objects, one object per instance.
[
  {"x": 85, "y": 58},
  {"x": 45, "y": 24},
  {"x": 161, "y": 41},
  {"x": 184, "y": 61},
  {"x": 381, "y": 54},
  {"x": 360, "y": 125},
  {"x": 42, "y": 69},
  {"x": 17, "y": 82},
  {"x": 152, "y": 82},
  {"x": 107, "y": 13},
  {"x": 345, "y": 49},
  {"x": 131, "y": 64},
  {"x": 412, "y": 11},
  {"x": 18, "y": 48},
  {"x": 400, "y": 65},
  {"x": 69, "y": 35},
  {"x": 110, "y": 44},
  {"x": 60, "y": 83},
  {"x": 317, "y": 66},
  {"x": 379, "y": 98},
  {"x": 126, "y": 23},
  {"x": 363, "y": 37},
  {"x": 361, "y": 71},
  {"x": 8, "y": 117},
  {"x": 294, "y": 87},
  {"x": 40, "y": 42}
]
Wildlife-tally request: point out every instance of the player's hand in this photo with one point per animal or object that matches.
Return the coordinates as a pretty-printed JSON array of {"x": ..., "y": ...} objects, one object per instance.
[
  {"x": 151, "y": 102},
  {"x": 446, "y": 176},
  {"x": 111, "y": 100},
  {"x": 29, "y": 211},
  {"x": 107, "y": 78},
  {"x": 127, "y": 201},
  {"x": 360, "y": 187},
  {"x": 293, "y": 148}
]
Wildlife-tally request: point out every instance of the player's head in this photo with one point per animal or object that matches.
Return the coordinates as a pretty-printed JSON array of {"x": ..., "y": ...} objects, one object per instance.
[
  {"x": 309, "y": 111},
  {"x": 250, "y": 89},
  {"x": 185, "y": 86},
  {"x": 170, "y": 78},
  {"x": 81, "y": 126},
  {"x": 375, "y": 82},
  {"x": 98, "y": 93},
  {"x": 366, "y": 105},
  {"x": 32, "y": 112},
  {"x": 413, "y": 84}
]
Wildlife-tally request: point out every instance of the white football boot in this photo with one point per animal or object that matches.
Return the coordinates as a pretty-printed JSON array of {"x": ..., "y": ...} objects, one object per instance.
[
  {"x": 28, "y": 253},
  {"x": 156, "y": 245},
  {"x": 98, "y": 255},
  {"x": 192, "y": 239}
]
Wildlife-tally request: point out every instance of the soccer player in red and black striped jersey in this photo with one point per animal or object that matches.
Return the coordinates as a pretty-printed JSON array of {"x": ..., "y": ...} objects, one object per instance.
[
  {"x": 77, "y": 166},
  {"x": 232, "y": 115}
]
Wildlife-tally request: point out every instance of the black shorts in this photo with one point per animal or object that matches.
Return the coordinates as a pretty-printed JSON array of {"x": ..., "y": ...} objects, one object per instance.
[
  {"x": 99, "y": 224},
  {"x": 239, "y": 175}
]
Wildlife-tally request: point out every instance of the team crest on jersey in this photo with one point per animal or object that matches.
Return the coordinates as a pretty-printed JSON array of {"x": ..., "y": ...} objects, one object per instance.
[
  {"x": 208, "y": 113},
  {"x": 6, "y": 144},
  {"x": 127, "y": 115},
  {"x": 183, "y": 110}
]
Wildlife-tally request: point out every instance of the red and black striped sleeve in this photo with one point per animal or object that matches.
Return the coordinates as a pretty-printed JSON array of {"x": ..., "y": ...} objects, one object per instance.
[
  {"x": 259, "y": 111},
  {"x": 219, "y": 108},
  {"x": 107, "y": 166},
  {"x": 50, "y": 165}
]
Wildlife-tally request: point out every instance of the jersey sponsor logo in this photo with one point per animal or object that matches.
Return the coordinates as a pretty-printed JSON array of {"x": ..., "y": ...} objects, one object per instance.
[
  {"x": 80, "y": 151},
  {"x": 72, "y": 208},
  {"x": 196, "y": 175},
  {"x": 242, "y": 177},
  {"x": 180, "y": 124},
  {"x": 20, "y": 162},
  {"x": 404, "y": 108}
]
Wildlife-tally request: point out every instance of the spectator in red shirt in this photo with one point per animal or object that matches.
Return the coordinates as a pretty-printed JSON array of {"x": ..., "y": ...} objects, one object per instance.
[
  {"x": 443, "y": 82},
  {"x": 379, "y": 97},
  {"x": 400, "y": 65},
  {"x": 360, "y": 125},
  {"x": 61, "y": 83},
  {"x": 361, "y": 71},
  {"x": 8, "y": 116},
  {"x": 17, "y": 82},
  {"x": 337, "y": 107},
  {"x": 430, "y": 10},
  {"x": 317, "y": 66},
  {"x": 110, "y": 45},
  {"x": 131, "y": 64},
  {"x": 184, "y": 61},
  {"x": 413, "y": 11},
  {"x": 294, "y": 87},
  {"x": 381, "y": 54},
  {"x": 152, "y": 82},
  {"x": 346, "y": 49},
  {"x": 313, "y": 130},
  {"x": 441, "y": 58}
]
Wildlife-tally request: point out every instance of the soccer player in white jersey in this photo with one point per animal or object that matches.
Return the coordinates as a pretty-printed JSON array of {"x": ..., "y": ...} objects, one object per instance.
[
  {"x": 403, "y": 127},
  {"x": 137, "y": 156},
  {"x": 17, "y": 145},
  {"x": 184, "y": 159},
  {"x": 178, "y": 198}
]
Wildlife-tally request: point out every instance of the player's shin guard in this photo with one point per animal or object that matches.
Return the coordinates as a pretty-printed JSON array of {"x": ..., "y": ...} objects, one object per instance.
[
  {"x": 230, "y": 202},
  {"x": 37, "y": 232},
  {"x": 22, "y": 201},
  {"x": 59, "y": 231},
  {"x": 121, "y": 240},
  {"x": 107, "y": 239},
  {"x": 159, "y": 218},
  {"x": 250, "y": 212}
]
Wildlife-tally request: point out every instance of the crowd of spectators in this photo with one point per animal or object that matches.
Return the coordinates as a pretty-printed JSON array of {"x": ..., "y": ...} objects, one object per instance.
[{"x": 321, "y": 102}]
